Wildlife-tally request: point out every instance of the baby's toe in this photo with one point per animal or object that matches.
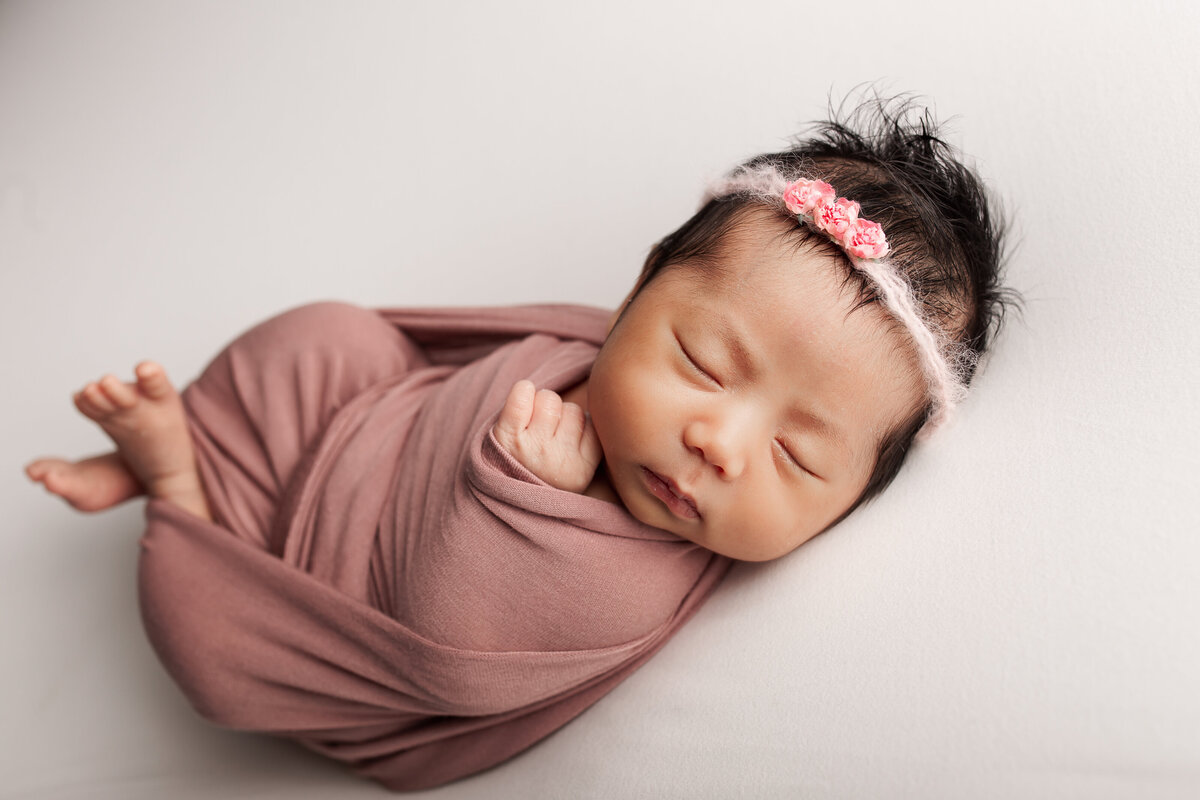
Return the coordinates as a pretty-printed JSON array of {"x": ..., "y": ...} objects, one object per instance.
[
  {"x": 92, "y": 402},
  {"x": 152, "y": 380},
  {"x": 36, "y": 470},
  {"x": 120, "y": 394},
  {"x": 65, "y": 484},
  {"x": 52, "y": 473}
]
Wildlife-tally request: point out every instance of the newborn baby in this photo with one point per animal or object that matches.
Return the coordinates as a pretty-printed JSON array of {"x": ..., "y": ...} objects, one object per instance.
[{"x": 419, "y": 541}]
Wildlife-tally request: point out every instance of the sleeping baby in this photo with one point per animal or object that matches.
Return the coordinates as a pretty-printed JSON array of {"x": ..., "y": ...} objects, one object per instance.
[{"x": 418, "y": 541}]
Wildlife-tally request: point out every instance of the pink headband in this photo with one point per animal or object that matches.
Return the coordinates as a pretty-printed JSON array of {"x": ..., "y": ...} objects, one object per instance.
[{"x": 944, "y": 363}]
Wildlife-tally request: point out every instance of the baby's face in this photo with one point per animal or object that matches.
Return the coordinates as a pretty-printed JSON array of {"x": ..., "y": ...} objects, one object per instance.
[{"x": 744, "y": 412}]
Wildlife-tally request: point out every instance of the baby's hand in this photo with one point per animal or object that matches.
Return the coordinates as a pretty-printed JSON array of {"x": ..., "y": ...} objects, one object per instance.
[{"x": 552, "y": 439}]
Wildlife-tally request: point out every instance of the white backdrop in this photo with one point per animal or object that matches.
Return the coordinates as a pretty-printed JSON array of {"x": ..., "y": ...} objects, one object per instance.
[{"x": 1016, "y": 618}]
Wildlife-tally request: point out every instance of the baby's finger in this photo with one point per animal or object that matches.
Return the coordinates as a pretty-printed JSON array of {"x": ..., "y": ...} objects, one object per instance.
[
  {"x": 518, "y": 409},
  {"x": 547, "y": 411},
  {"x": 570, "y": 427},
  {"x": 589, "y": 444}
]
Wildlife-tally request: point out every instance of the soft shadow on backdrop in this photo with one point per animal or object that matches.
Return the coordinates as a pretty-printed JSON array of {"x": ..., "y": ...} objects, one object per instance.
[{"x": 1016, "y": 617}]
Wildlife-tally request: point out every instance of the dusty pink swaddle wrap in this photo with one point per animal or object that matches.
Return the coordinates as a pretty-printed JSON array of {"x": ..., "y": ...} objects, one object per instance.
[{"x": 382, "y": 581}]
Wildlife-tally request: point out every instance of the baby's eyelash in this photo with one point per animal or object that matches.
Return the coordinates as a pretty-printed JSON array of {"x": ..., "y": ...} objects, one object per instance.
[
  {"x": 791, "y": 457},
  {"x": 695, "y": 364}
]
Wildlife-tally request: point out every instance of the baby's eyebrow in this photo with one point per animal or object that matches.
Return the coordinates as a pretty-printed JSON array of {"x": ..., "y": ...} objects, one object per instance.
[
  {"x": 827, "y": 432},
  {"x": 735, "y": 342}
]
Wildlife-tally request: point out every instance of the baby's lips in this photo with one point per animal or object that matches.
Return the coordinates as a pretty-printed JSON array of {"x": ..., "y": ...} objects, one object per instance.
[{"x": 673, "y": 492}]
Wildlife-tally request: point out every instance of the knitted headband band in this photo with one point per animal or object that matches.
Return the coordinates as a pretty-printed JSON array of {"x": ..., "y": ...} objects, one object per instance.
[{"x": 944, "y": 363}]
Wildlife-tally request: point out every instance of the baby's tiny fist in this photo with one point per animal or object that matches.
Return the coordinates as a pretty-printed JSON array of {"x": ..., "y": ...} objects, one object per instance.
[{"x": 552, "y": 439}]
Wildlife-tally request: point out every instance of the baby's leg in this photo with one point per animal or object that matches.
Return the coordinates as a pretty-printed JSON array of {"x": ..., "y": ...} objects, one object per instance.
[
  {"x": 264, "y": 402},
  {"x": 146, "y": 421}
]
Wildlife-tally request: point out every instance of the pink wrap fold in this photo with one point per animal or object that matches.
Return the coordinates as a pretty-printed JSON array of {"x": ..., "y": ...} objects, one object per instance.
[{"x": 382, "y": 581}]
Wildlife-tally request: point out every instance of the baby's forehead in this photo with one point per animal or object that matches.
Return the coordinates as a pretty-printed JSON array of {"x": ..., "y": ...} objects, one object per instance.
[
  {"x": 757, "y": 228},
  {"x": 769, "y": 255}
]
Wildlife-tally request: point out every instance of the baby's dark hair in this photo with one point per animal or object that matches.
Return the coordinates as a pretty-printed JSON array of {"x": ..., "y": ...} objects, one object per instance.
[{"x": 946, "y": 235}]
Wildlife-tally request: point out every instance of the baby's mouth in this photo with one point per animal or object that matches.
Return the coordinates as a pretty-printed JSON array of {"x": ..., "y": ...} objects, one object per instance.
[{"x": 665, "y": 490}]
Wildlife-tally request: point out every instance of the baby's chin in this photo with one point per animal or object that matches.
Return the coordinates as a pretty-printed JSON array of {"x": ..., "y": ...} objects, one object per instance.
[
  {"x": 637, "y": 505},
  {"x": 654, "y": 518},
  {"x": 733, "y": 545}
]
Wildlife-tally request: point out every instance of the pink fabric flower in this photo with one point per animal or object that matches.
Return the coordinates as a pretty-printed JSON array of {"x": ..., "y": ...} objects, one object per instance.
[
  {"x": 836, "y": 218},
  {"x": 802, "y": 196},
  {"x": 865, "y": 239}
]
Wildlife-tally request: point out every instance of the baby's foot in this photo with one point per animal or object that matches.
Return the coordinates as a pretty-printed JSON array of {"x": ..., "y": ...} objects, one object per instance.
[
  {"x": 147, "y": 423},
  {"x": 92, "y": 484}
]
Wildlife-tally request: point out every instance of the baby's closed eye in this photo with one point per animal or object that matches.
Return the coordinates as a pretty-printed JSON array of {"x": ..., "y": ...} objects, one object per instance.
[
  {"x": 694, "y": 363},
  {"x": 790, "y": 458}
]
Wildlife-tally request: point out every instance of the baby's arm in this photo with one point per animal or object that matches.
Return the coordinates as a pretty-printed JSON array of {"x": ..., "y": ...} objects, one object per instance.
[{"x": 552, "y": 439}]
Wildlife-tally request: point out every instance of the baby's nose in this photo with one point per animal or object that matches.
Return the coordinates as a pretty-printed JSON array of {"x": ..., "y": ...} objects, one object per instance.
[{"x": 722, "y": 443}]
